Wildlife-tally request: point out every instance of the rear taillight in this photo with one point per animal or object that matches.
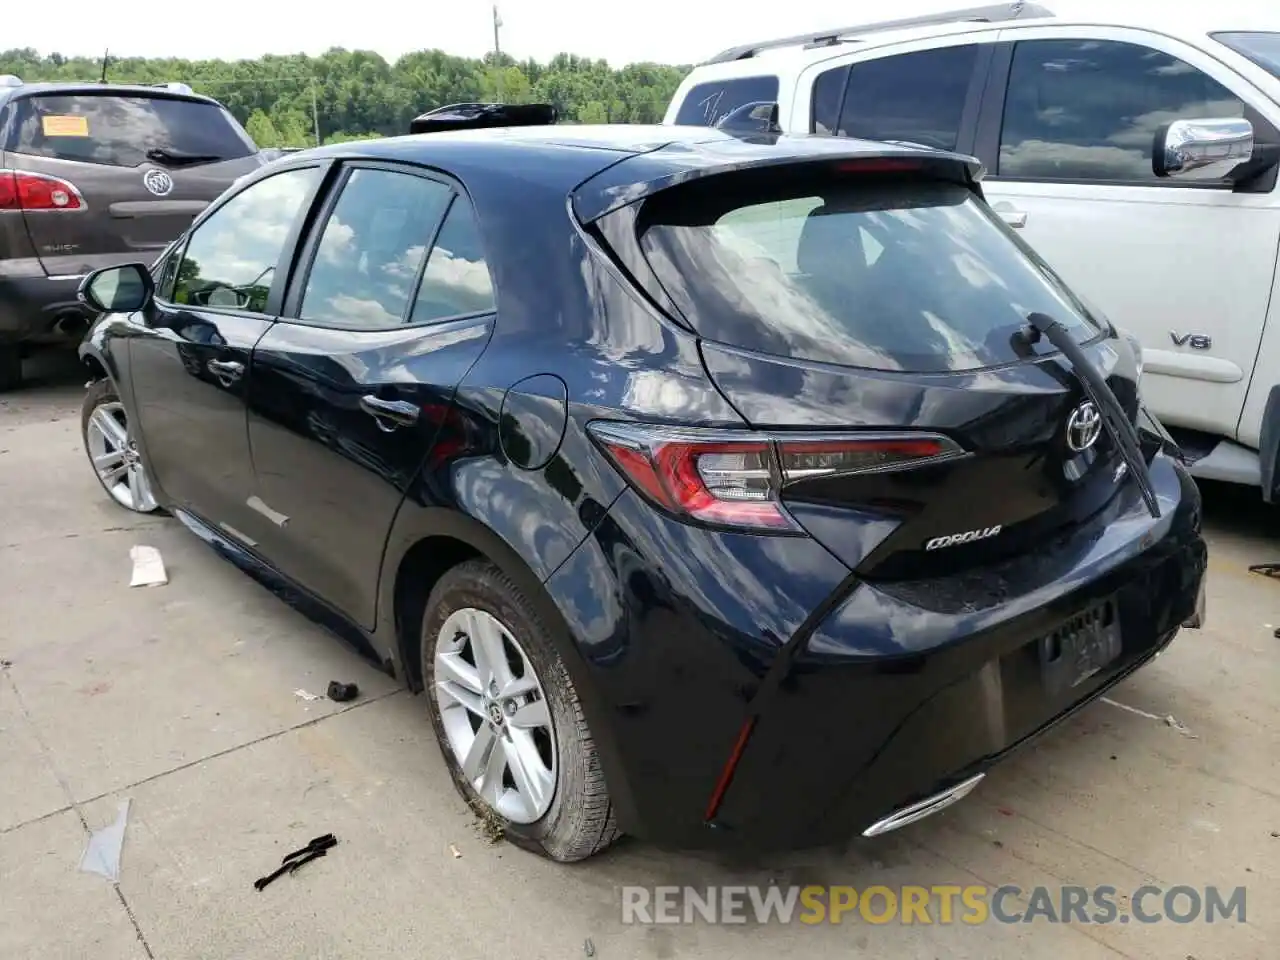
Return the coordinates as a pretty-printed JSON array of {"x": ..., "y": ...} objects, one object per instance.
[
  {"x": 32, "y": 192},
  {"x": 735, "y": 478}
]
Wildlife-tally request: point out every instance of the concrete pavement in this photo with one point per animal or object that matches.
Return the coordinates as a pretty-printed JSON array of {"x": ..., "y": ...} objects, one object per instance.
[{"x": 182, "y": 698}]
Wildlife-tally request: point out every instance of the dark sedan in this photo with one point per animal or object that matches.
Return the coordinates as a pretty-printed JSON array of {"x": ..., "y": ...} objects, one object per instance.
[{"x": 711, "y": 487}]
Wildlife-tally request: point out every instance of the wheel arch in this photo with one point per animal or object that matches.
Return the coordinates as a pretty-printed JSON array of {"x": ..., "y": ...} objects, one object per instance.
[{"x": 426, "y": 543}]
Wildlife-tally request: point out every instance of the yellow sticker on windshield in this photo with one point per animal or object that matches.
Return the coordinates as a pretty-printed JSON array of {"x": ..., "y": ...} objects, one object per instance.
[{"x": 64, "y": 126}]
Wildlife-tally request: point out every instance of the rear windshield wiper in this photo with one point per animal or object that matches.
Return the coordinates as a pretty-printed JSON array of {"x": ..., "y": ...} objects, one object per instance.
[
  {"x": 176, "y": 158},
  {"x": 1122, "y": 431}
]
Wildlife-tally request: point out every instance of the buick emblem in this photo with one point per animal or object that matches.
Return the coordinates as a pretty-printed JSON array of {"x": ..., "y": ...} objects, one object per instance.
[
  {"x": 1083, "y": 427},
  {"x": 158, "y": 182}
]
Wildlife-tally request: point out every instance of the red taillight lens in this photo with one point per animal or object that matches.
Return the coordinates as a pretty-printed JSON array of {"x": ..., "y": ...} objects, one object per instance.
[
  {"x": 735, "y": 479},
  {"x": 22, "y": 190}
]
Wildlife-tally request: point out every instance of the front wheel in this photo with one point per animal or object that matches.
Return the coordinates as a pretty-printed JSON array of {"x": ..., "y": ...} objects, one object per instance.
[
  {"x": 109, "y": 442},
  {"x": 508, "y": 718}
]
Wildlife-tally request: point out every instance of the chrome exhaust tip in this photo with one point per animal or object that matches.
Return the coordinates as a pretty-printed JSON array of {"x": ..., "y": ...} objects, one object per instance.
[{"x": 923, "y": 808}]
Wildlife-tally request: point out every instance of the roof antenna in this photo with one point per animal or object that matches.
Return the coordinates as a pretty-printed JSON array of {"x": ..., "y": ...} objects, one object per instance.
[{"x": 106, "y": 59}]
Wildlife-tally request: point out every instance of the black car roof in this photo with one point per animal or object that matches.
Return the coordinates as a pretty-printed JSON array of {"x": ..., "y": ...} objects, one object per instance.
[
  {"x": 608, "y": 165},
  {"x": 74, "y": 88}
]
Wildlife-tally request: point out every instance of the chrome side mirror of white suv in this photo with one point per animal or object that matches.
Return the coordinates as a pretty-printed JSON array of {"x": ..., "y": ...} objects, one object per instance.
[{"x": 1202, "y": 150}]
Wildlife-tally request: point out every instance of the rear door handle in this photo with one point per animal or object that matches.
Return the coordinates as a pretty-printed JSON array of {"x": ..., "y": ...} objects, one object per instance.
[
  {"x": 227, "y": 371},
  {"x": 389, "y": 414}
]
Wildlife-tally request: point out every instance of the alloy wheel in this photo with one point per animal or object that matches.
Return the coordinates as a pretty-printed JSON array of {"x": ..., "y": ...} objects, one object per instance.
[
  {"x": 495, "y": 715},
  {"x": 116, "y": 459}
]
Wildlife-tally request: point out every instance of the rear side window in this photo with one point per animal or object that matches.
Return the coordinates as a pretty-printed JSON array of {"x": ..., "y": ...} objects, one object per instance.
[
  {"x": 456, "y": 281},
  {"x": 120, "y": 131},
  {"x": 866, "y": 271},
  {"x": 1262, "y": 48},
  {"x": 828, "y": 95},
  {"x": 709, "y": 103},
  {"x": 372, "y": 250},
  {"x": 918, "y": 97}
]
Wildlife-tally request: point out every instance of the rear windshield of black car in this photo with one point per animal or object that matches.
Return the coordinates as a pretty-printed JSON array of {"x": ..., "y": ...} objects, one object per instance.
[
  {"x": 870, "y": 272},
  {"x": 119, "y": 130}
]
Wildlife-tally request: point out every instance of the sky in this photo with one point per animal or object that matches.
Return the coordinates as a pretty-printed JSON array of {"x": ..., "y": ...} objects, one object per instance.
[{"x": 667, "y": 31}]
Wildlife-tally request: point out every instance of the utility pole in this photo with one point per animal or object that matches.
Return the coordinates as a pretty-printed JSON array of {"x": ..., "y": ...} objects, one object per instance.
[
  {"x": 497, "y": 49},
  {"x": 315, "y": 112},
  {"x": 106, "y": 59}
]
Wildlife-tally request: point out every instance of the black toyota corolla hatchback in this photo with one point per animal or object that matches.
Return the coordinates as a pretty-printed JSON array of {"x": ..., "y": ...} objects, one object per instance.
[{"x": 727, "y": 487}]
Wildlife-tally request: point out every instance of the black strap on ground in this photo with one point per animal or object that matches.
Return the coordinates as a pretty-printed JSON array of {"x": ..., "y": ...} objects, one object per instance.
[
  {"x": 1266, "y": 569},
  {"x": 292, "y": 861},
  {"x": 1095, "y": 387}
]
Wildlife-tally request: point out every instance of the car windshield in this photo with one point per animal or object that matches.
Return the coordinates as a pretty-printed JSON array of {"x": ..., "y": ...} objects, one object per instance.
[
  {"x": 125, "y": 131},
  {"x": 1262, "y": 48},
  {"x": 892, "y": 275}
]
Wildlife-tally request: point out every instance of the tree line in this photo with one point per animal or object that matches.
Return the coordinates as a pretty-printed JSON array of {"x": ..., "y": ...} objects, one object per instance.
[{"x": 352, "y": 94}]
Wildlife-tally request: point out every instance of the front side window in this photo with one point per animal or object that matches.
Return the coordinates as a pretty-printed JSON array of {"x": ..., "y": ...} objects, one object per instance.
[
  {"x": 231, "y": 258},
  {"x": 372, "y": 250},
  {"x": 879, "y": 273},
  {"x": 918, "y": 97},
  {"x": 121, "y": 130},
  {"x": 709, "y": 103},
  {"x": 1090, "y": 109}
]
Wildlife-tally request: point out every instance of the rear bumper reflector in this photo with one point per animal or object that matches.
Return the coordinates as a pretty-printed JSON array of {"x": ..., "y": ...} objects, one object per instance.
[{"x": 726, "y": 775}]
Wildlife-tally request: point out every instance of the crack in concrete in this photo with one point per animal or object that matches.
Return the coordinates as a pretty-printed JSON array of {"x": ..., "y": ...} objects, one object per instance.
[
  {"x": 47, "y": 756},
  {"x": 76, "y": 804}
]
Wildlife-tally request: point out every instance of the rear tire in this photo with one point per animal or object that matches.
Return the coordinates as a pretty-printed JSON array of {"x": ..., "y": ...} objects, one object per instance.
[
  {"x": 10, "y": 367},
  {"x": 574, "y": 820}
]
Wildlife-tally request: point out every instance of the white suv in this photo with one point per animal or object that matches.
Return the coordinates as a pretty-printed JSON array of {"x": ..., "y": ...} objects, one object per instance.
[{"x": 1171, "y": 228}]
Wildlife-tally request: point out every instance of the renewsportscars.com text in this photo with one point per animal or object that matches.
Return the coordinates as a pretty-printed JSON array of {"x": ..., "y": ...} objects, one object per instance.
[{"x": 938, "y": 904}]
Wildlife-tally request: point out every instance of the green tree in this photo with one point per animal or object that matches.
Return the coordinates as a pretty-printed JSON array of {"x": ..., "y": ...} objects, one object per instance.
[
  {"x": 593, "y": 112},
  {"x": 360, "y": 94},
  {"x": 262, "y": 130}
]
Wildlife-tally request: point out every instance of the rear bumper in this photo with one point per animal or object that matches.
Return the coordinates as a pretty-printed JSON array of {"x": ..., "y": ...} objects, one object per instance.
[
  {"x": 41, "y": 309},
  {"x": 898, "y": 692}
]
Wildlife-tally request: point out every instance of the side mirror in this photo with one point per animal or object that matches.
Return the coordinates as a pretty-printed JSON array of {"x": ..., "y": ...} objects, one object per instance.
[
  {"x": 122, "y": 289},
  {"x": 1202, "y": 150}
]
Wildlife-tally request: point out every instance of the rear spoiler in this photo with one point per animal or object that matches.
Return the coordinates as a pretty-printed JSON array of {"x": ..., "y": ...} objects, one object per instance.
[
  {"x": 723, "y": 152},
  {"x": 478, "y": 116}
]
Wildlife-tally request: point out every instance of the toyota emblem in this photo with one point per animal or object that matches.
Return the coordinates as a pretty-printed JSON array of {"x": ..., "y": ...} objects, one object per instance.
[
  {"x": 1083, "y": 427},
  {"x": 157, "y": 182}
]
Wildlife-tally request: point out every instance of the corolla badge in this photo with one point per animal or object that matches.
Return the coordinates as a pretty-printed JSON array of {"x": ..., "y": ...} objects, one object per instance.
[
  {"x": 1084, "y": 426},
  {"x": 157, "y": 182},
  {"x": 969, "y": 536}
]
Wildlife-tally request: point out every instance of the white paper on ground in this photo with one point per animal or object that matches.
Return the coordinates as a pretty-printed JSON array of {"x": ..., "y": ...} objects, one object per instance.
[
  {"x": 303, "y": 695},
  {"x": 102, "y": 855},
  {"x": 148, "y": 567}
]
